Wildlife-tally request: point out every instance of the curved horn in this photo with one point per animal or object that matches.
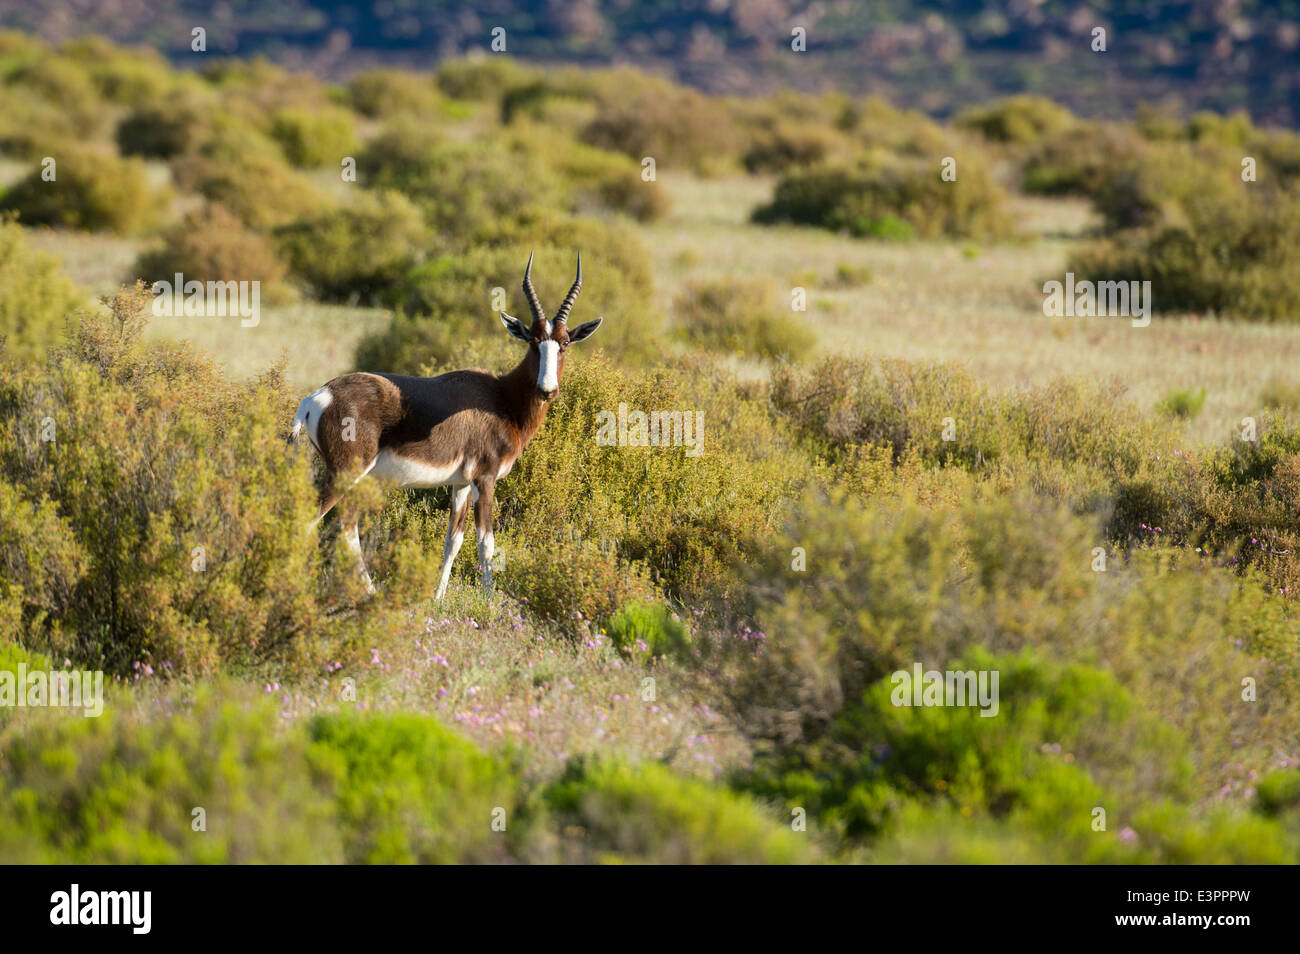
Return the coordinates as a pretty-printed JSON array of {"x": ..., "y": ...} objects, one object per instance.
[
  {"x": 530, "y": 293},
  {"x": 572, "y": 296}
]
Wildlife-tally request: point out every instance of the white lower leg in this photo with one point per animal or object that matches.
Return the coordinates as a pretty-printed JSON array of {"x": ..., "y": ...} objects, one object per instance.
[
  {"x": 454, "y": 538},
  {"x": 486, "y": 550},
  {"x": 353, "y": 537}
]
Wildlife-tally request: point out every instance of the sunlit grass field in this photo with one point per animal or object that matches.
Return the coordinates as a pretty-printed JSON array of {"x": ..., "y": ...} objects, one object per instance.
[{"x": 926, "y": 301}]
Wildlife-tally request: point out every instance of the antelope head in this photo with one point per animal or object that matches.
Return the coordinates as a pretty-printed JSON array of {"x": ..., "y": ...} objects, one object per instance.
[{"x": 546, "y": 339}]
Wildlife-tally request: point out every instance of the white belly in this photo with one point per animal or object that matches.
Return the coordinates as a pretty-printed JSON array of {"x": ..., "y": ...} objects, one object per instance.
[{"x": 405, "y": 472}]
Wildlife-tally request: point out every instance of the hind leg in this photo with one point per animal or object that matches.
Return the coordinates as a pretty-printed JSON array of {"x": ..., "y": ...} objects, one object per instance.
[
  {"x": 455, "y": 535},
  {"x": 353, "y": 537},
  {"x": 484, "y": 492}
]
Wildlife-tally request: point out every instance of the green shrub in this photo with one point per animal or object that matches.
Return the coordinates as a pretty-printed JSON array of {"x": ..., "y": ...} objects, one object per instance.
[
  {"x": 878, "y": 755},
  {"x": 123, "y": 789},
  {"x": 642, "y": 115},
  {"x": 384, "y": 93},
  {"x": 35, "y": 295},
  {"x": 165, "y": 129},
  {"x": 360, "y": 251},
  {"x": 1020, "y": 120},
  {"x": 481, "y": 78},
  {"x": 65, "y": 85},
  {"x": 570, "y": 579},
  {"x": 890, "y": 583},
  {"x": 890, "y": 198},
  {"x": 1231, "y": 254},
  {"x": 314, "y": 137},
  {"x": 943, "y": 414},
  {"x": 92, "y": 191},
  {"x": 410, "y": 791},
  {"x": 645, "y": 631},
  {"x": 125, "y": 76},
  {"x": 468, "y": 191},
  {"x": 31, "y": 127},
  {"x": 1078, "y": 160},
  {"x": 734, "y": 315},
  {"x": 647, "y": 815},
  {"x": 1181, "y": 402},
  {"x": 1231, "y": 502},
  {"x": 784, "y": 144},
  {"x": 596, "y": 177},
  {"x": 683, "y": 514},
  {"x": 258, "y": 188},
  {"x": 1279, "y": 791},
  {"x": 170, "y": 516},
  {"x": 210, "y": 244}
]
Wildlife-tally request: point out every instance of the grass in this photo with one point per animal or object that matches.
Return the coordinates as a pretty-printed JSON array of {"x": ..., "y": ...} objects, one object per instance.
[
  {"x": 317, "y": 341},
  {"x": 933, "y": 301},
  {"x": 930, "y": 301},
  {"x": 480, "y": 668}
]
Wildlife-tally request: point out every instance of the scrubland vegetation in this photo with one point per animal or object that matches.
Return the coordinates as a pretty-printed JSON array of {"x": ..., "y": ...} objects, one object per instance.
[{"x": 687, "y": 658}]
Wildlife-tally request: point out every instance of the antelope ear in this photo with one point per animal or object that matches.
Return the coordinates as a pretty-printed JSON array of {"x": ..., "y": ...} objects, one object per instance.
[
  {"x": 515, "y": 327},
  {"x": 584, "y": 330}
]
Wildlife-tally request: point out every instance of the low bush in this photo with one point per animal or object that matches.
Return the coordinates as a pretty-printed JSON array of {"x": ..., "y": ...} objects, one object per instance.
[
  {"x": 166, "y": 129},
  {"x": 210, "y": 244},
  {"x": 943, "y": 414},
  {"x": 358, "y": 252},
  {"x": 646, "y": 631},
  {"x": 314, "y": 137},
  {"x": 407, "y": 790},
  {"x": 90, "y": 190},
  {"x": 35, "y": 296},
  {"x": 66, "y": 85},
  {"x": 647, "y": 815},
  {"x": 1182, "y": 402},
  {"x": 1230, "y": 254},
  {"x": 384, "y": 93},
  {"x": 809, "y": 678},
  {"x": 734, "y": 315},
  {"x": 1018, "y": 120},
  {"x": 216, "y": 783},
  {"x": 642, "y": 115},
  {"x": 482, "y": 78},
  {"x": 468, "y": 190},
  {"x": 892, "y": 198},
  {"x": 1080, "y": 159},
  {"x": 785, "y": 144},
  {"x": 257, "y": 187},
  {"x": 152, "y": 515}
]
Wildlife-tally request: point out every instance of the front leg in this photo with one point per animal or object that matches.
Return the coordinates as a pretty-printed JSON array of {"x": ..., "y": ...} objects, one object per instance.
[
  {"x": 455, "y": 534},
  {"x": 485, "y": 488}
]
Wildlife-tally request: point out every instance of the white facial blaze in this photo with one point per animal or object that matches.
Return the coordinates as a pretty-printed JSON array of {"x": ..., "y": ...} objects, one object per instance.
[{"x": 548, "y": 378}]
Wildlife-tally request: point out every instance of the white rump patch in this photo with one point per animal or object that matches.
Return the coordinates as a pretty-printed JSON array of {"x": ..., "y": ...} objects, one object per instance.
[
  {"x": 405, "y": 472},
  {"x": 309, "y": 414},
  {"x": 548, "y": 378}
]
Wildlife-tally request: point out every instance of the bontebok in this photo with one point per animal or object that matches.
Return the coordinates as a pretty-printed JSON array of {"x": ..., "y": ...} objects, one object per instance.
[{"x": 463, "y": 429}]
